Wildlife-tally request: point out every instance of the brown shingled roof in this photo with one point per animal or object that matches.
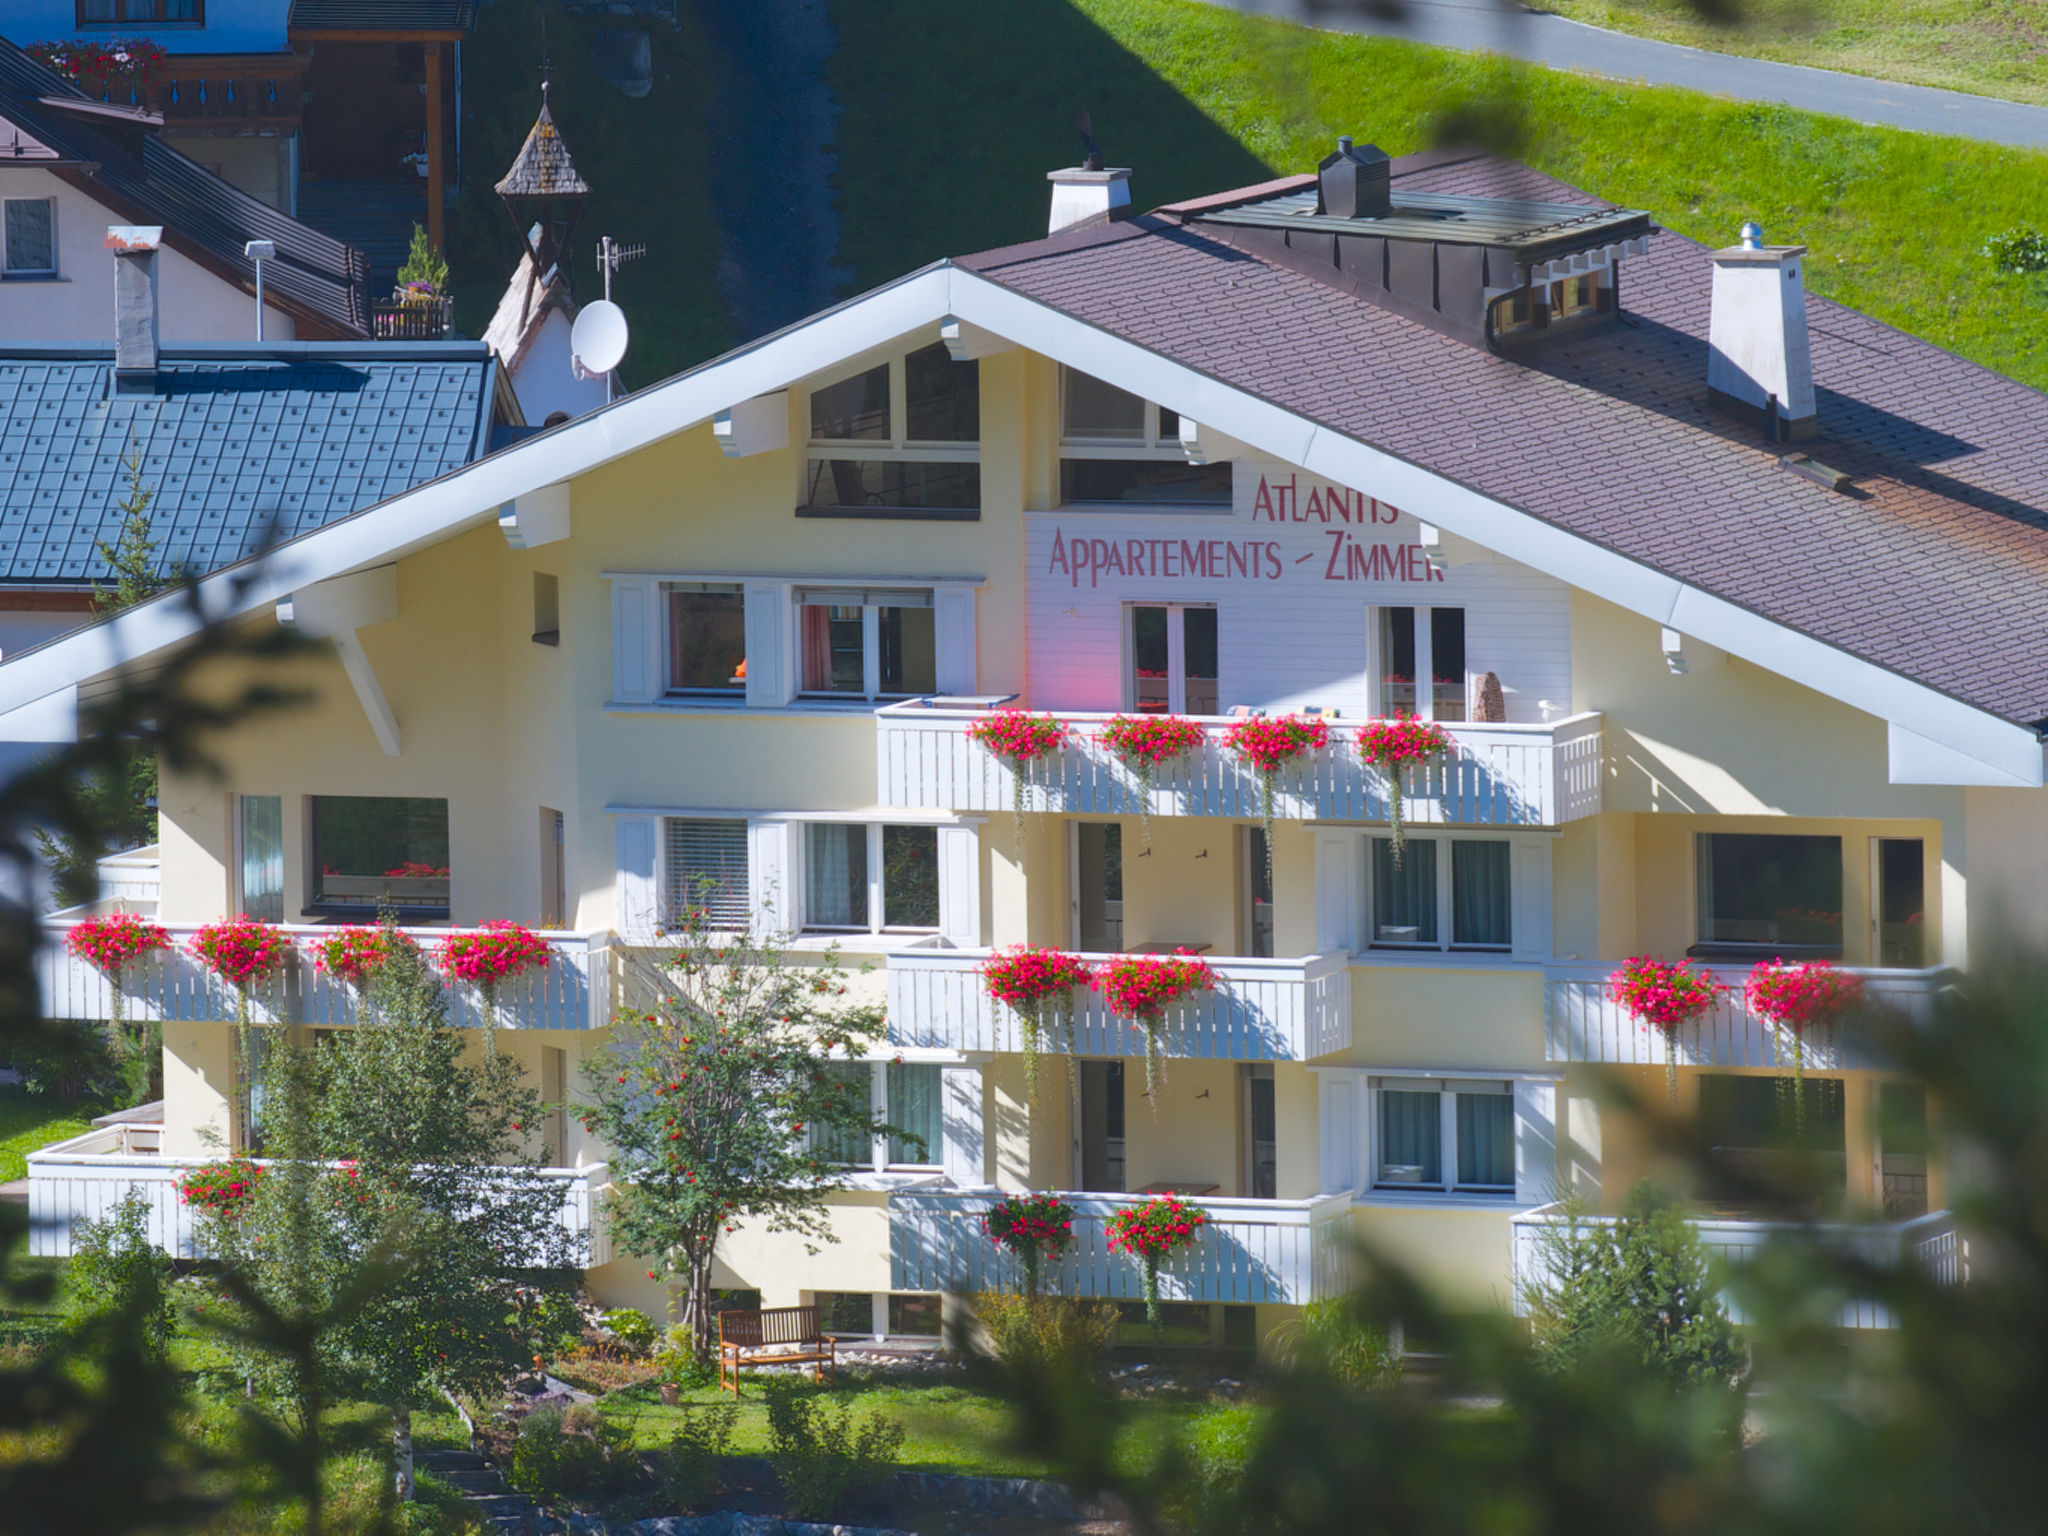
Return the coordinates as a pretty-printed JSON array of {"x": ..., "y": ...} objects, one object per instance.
[
  {"x": 542, "y": 167},
  {"x": 1939, "y": 575}
]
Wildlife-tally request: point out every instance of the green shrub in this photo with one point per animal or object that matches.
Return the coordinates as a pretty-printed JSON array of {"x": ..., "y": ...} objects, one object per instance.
[
  {"x": 1330, "y": 1336},
  {"x": 632, "y": 1328},
  {"x": 2021, "y": 249},
  {"x": 680, "y": 1365},
  {"x": 1022, "y": 1329},
  {"x": 687, "y": 1467},
  {"x": 116, "y": 1270},
  {"x": 572, "y": 1452},
  {"x": 820, "y": 1453}
]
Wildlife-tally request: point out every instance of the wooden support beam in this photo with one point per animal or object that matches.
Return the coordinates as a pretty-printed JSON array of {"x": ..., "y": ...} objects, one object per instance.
[{"x": 436, "y": 214}]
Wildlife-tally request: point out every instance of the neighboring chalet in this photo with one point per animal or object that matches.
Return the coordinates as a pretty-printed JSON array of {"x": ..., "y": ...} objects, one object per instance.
[{"x": 71, "y": 167}]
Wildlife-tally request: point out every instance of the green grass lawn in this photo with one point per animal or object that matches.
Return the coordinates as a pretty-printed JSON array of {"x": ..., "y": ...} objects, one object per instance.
[
  {"x": 32, "y": 1120},
  {"x": 953, "y": 115},
  {"x": 1988, "y": 47}
]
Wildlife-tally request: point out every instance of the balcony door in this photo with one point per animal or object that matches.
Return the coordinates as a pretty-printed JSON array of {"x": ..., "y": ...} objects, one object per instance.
[
  {"x": 1172, "y": 666},
  {"x": 1099, "y": 1148},
  {"x": 1898, "y": 902},
  {"x": 1098, "y": 887},
  {"x": 1260, "y": 1137}
]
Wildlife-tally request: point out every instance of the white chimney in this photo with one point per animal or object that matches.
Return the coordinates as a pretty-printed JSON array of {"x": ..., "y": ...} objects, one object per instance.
[
  {"x": 1757, "y": 352},
  {"x": 1080, "y": 192},
  {"x": 135, "y": 340}
]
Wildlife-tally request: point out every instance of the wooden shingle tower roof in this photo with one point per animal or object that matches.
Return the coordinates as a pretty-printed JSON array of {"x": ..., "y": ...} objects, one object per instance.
[{"x": 542, "y": 167}]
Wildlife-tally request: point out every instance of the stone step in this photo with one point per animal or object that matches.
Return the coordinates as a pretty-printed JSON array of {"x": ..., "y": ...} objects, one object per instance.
[{"x": 483, "y": 1480}]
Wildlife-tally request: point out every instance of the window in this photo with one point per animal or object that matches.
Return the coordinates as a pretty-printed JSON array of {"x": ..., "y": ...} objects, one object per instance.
[
  {"x": 707, "y": 637},
  {"x": 1412, "y": 907},
  {"x": 846, "y": 1312},
  {"x": 112, "y": 13},
  {"x": 1447, "y": 1135},
  {"x": 1099, "y": 887},
  {"x": 1418, "y": 642},
  {"x": 1258, "y": 895},
  {"x": 370, "y": 850},
  {"x": 909, "y": 433},
  {"x": 1174, "y": 655},
  {"x": 1117, "y": 448},
  {"x": 901, "y": 1095},
  {"x": 1574, "y": 296},
  {"x": 1513, "y": 312},
  {"x": 867, "y": 644},
  {"x": 260, "y": 838},
  {"x": 871, "y": 879},
  {"x": 1770, "y": 892},
  {"x": 707, "y": 872},
  {"x": 1899, "y": 907},
  {"x": 1765, "y": 1149},
  {"x": 547, "y": 609},
  {"x": 28, "y": 237}
]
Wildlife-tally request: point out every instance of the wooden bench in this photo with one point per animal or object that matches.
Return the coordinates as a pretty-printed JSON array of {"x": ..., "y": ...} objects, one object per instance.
[{"x": 772, "y": 1336}]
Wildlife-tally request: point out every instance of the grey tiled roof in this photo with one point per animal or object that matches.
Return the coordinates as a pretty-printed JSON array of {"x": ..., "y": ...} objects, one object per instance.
[
  {"x": 235, "y": 446},
  {"x": 1939, "y": 574}
]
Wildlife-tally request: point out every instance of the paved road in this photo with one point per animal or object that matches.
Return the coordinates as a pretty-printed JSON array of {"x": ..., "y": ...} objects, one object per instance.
[{"x": 1551, "y": 40}]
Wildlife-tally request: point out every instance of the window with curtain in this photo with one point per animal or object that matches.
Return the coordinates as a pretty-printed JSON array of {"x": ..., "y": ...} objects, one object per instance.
[
  {"x": 707, "y": 871},
  {"x": 28, "y": 237},
  {"x": 868, "y": 643},
  {"x": 1411, "y": 1147},
  {"x": 912, "y": 1092},
  {"x": 1481, "y": 893},
  {"x": 836, "y": 875},
  {"x": 1404, "y": 893},
  {"x": 1446, "y": 1135},
  {"x": 262, "y": 857},
  {"x": 1486, "y": 1141},
  {"x": 864, "y": 878},
  {"x": 847, "y": 1146}
]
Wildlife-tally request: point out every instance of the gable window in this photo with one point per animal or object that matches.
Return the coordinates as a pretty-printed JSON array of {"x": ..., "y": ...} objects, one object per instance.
[
  {"x": 1117, "y": 448},
  {"x": 28, "y": 237},
  {"x": 867, "y": 643},
  {"x": 370, "y": 850},
  {"x": 1449, "y": 1135},
  {"x": 1769, "y": 892},
  {"x": 1411, "y": 905},
  {"x": 901, "y": 1095},
  {"x": 707, "y": 871},
  {"x": 900, "y": 437},
  {"x": 707, "y": 637},
  {"x": 870, "y": 879},
  {"x": 1418, "y": 643}
]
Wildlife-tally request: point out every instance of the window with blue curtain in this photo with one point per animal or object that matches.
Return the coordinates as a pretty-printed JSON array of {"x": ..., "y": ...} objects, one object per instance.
[
  {"x": 1404, "y": 893},
  {"x": 848, "y": 1145},
  {"x": 1480, "y": 894},
  {"x": 914, "y": 1111},
  {"x": 1486, "y": 1141},
  {"x": 1410, "y": 1137}
]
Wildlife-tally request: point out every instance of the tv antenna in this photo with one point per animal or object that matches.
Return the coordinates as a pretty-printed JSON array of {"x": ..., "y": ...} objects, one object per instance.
[{"x": 611, "y": 256}]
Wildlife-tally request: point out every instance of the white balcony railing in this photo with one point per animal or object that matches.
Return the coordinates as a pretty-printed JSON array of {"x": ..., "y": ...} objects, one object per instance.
[
  {"x": 1289, "y": 1252},
  {"x": 1498, "y": 775},
  {"x": 1583, "y": 1023},
  {"x": 572, "y": 991},
  {"x": 1932, "y": 1242},
  {"x": 88, "y": 1175},
  {"x": 1262, "y": 1010}
]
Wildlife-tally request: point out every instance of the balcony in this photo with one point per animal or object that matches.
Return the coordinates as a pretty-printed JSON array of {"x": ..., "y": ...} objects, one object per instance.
[
  {"x": 573, "y": 991},
  {"x": 1263, "y": 1010},
  {"x": 428, "y": 317},
  {"x": 1931, "y": 1241},
  {"x": 1583, "y": 1024},
  {"x": 1289, "y": 1252},
  {"x": 88, "y": 1175},
  {"x": 231, "y": 95},
  {"x": 1498, "y": 775}
]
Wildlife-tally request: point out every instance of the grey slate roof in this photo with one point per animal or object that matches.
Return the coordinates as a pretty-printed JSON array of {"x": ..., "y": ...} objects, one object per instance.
[
  {"x": 1940, "y": 574},
  {"x": 542, "y": 167},
  {"x": 236, "y": 444}
]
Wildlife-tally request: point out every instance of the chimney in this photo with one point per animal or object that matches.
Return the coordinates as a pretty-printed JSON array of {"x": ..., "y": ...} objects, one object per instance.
[
  {"x": 1758, "y": 361},
  {"x": 135, "y": 345},
  {"x": 1354, "y": 183},
  {"x": 1083, "y": 192}
]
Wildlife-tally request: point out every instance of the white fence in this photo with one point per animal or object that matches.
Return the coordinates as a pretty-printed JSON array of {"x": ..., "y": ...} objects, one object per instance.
[
  {"x": 572, "y": 991},
  {"x": 1930, "y": 1241},
  {"x": 1497, "y": 775},
  {"x": 1261, "y": 1010},
  {"x": 1584, "y": 1024},
  {"x": 1283, "y": 1251},
  {"x": 88, "y": 1175}
]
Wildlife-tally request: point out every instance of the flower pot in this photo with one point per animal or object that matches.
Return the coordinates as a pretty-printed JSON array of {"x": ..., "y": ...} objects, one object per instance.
[{"x": 671, "y": 1394}]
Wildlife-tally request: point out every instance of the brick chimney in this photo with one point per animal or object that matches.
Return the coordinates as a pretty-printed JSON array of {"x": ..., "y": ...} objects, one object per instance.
[
  {"x": 1758, "y": 361},
  {"x": 1085, "y": 192},
  {"x": 135, "y": 340}
]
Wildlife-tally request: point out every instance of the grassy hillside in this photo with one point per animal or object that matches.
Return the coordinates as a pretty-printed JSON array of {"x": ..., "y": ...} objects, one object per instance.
[
  {"x": 954, "y": 114},
  {"x": 1988, "y": 47}
]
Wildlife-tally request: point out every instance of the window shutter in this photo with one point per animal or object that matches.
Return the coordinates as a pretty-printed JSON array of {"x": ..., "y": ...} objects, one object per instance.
[
  {"x": 1529, "y": 873},
  {"x": 773, "y": 875},
  {"x": 636, "y": 892},
  {"x": 707, "y": 869},
  {"x": 960, "y": 885},
  {"x": 771, "y": 680},
  {"x": 1337, "y": 891},
  {"x": 1535, "y": 1142},
  {"x": 1337, "y": 1117},
  {"x": 960, "y": 1126},
  {"x": 636, "y": 640},
  {"x": 953, "y": 633}
]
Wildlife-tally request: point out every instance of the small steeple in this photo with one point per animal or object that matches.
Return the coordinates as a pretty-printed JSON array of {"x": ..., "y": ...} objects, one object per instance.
[{"x": 544, "y": 194}]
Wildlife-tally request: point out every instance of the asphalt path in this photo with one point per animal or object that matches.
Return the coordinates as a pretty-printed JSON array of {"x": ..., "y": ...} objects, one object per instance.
[{"x": 1552, "y": 41}]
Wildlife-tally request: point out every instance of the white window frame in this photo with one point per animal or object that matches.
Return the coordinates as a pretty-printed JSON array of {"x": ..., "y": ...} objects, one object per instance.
[
  {"x": 666, "y": 913},
  {"x": 1445, "y": 908},
  {"x": 7, "y": 267},
  {"x": 1447, "y": 1090},
  {"x": 1156, "y": 446},
  {"x": 878, "y": 1107},
  {"x": 870, "y": 639},
  {"x": 898, "y": 445},
  {"x": 876, "y": 894},
  {"x": 1425, "y": 660},
  {"x": 664, "y": 623},
  {"x": 1176, "y": 653}
]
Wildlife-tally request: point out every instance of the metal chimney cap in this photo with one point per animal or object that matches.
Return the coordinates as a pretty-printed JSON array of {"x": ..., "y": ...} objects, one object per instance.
[
  {"x": 1752, "y": 235},
  {"x": 1343, "y": 143},
  {"x": 260, "y": 250},
  {"x": 124, "y": 238}
]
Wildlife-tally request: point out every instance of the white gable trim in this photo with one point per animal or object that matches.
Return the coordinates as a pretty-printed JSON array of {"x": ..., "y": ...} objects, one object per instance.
[{"x": 2007, "y": 753}]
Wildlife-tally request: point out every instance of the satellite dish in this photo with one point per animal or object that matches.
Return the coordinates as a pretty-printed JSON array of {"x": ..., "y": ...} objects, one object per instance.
[{"x": 599, "y": 337}]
